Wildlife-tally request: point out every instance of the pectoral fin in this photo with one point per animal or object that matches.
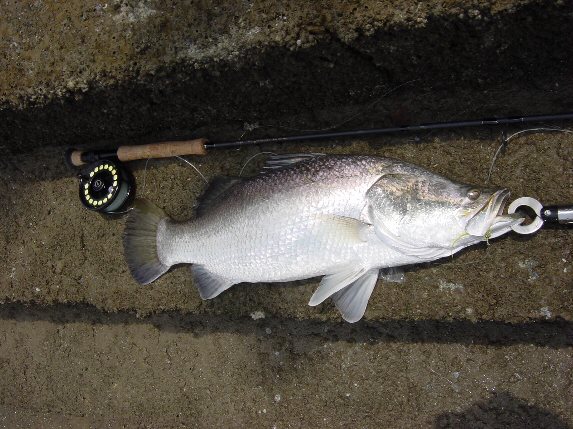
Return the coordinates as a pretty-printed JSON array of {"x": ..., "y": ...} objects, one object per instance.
[
  {"x": 351, "y": 230},
  {"x": 353, "y": 299}
]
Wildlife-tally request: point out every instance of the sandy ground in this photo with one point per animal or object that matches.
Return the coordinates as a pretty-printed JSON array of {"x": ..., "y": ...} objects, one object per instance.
[{"x": 484, "y": 339}]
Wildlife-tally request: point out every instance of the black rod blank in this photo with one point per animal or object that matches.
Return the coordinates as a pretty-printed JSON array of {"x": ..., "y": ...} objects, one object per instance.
[{"x": 393, "y": 130}]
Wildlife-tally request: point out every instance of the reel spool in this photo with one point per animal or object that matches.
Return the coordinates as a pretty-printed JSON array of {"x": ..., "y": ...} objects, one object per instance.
[{"x": 106, "y": 187}]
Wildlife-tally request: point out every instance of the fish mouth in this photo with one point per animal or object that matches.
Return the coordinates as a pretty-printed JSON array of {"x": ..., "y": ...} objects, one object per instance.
[{"x": 490, "y": 221}]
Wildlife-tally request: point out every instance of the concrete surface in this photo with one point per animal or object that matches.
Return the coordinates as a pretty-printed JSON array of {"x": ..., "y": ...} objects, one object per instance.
[{"x": 482, "y": 340}]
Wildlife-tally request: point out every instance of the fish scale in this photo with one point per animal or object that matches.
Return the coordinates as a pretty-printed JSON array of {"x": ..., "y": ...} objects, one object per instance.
[{"x": 279, "y": 224}]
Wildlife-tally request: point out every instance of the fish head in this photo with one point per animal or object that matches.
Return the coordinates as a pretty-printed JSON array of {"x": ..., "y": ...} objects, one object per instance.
[{"x": 425, "y": 214}]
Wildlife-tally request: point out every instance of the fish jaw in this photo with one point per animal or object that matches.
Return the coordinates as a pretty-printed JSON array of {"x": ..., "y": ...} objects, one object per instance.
[{"x": 503, "y": 224}]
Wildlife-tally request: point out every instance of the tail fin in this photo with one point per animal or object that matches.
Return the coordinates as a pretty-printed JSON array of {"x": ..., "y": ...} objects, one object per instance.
[{"x": 140, "y": 242}]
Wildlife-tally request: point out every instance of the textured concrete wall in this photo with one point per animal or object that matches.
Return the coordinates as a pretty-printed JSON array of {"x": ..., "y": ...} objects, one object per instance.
[
  {"x": 52, "y": 48},
  {"x": 126, "y": 71}
]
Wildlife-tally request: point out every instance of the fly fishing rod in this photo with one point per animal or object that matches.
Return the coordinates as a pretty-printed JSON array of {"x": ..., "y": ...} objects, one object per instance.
[
  {"x": 77, "y": 158},
  {"x": 106, "y": 186}
]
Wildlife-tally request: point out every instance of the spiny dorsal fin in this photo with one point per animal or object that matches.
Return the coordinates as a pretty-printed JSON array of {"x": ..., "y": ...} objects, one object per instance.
[
  {"x": 275, "y": 162},
  {"x": 217, "y": 187}
]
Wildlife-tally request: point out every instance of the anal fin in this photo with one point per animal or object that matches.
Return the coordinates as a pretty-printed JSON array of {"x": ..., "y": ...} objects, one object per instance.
[
  {"x": 209, "y": 284},
  {"x": 353, "y": 299}
]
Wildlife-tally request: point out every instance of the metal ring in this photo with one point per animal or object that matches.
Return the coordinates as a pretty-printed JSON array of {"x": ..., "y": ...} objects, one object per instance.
[{"x": 535, "y": 206}]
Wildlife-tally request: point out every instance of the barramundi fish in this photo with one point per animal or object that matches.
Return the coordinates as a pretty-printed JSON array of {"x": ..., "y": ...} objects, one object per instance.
[{"x": 345, "y": 218}]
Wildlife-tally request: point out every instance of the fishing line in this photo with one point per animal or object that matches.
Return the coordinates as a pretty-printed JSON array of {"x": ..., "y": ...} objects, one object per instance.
[
  {"x": 361, "y": 112},
  {"x": 144, "y": 179},
  {"x": 506, "y": 140},
  {"x": 337, "y": 125},
  {"x": 550, "y": 129},
  {"x": 144, "y": 176},
  {"x": 180, "y": 158},
  {"x": 195, "y": 168}
]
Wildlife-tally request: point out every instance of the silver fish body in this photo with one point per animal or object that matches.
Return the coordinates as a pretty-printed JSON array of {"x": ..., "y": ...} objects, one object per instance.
[{"x": 341, "y": 217}]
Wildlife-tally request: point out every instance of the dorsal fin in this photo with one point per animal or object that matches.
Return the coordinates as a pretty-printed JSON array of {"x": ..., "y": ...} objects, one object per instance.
[
  {"x": 283, "y": 160},
  {"x": 217, "y": 187}
]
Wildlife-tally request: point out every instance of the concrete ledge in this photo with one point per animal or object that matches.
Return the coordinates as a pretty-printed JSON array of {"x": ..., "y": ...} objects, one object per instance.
[
  {"x": 74, "y": 366},
  {"x": 140, "y": 70}
]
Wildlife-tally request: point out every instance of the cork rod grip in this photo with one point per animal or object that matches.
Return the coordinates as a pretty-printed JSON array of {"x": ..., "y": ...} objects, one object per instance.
[
  {"x": 162, "y": 150},
  {"x": 75, "y": 158}
]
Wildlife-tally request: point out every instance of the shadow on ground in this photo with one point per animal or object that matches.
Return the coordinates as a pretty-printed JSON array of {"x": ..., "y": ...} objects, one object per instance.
[
  {"x": 503, "y": 410},
  {"x": 553, "y": 334}
]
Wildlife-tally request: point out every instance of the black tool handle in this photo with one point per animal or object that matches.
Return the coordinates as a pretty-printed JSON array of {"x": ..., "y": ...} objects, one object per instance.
[{"x": 557, "y": 214}]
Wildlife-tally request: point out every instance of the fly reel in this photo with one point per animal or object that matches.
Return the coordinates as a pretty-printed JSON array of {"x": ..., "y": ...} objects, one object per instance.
[{"x": 106, "y": 187}]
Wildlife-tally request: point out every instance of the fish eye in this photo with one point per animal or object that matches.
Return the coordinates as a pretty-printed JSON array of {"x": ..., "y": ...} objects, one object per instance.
[{"x": 473, "y": 194}]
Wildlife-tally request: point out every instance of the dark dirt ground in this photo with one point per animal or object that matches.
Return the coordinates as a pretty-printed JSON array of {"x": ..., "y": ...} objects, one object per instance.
[{"x": 482, "y": 340}]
